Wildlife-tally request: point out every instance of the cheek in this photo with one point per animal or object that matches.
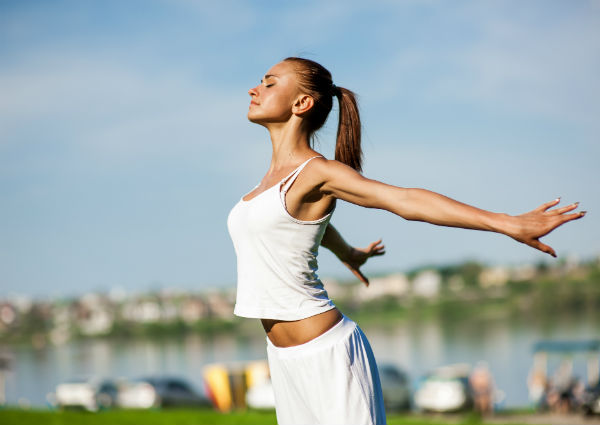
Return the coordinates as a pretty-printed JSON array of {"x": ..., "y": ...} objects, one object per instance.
[{"x": 278, "y": 102}]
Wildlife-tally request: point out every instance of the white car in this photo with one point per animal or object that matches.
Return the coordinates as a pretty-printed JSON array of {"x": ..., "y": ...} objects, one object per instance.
[
  {"x": 444, "y": 390},
  {"x": 90, "y": 394}
]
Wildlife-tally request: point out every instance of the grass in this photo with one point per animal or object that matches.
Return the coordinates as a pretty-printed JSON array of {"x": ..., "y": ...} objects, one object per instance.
[
  {"x": 10, "y": 416},
  {"x": 134, "y": 417}
]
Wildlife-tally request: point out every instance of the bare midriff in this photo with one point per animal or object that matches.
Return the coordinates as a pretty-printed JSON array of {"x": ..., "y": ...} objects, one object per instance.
[{"x": 289, "y": 333}]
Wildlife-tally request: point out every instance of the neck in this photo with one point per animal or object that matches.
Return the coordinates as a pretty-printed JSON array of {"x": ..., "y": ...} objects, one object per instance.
[{"x": 290, "y": 144}]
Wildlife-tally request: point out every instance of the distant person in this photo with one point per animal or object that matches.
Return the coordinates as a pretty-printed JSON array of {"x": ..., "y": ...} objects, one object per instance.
[
  {"x": 563, "y": 382},
  {"x": 576, "y": 394},
  {"x": 482, "y": 385},
  {"x": 551, "y": 398},
  {"x": 537, "y": 385},
  {"x": 322, "y": 367}
]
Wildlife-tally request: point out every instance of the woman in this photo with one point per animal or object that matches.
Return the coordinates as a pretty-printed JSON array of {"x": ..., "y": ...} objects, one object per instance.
[{"x": 322, "y": 366}]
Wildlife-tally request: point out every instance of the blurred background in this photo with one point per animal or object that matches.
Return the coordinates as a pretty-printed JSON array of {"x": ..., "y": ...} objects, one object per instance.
[{"x": 124, "y": 144}]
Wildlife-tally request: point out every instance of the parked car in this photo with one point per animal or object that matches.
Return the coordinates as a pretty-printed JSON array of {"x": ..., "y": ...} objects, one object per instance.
[
  {"x": 395, "y": 386},
  {"x": 159, "y": 392},
  {"x": 90, "y": 394},
  {"x": 445, "y": 390}
]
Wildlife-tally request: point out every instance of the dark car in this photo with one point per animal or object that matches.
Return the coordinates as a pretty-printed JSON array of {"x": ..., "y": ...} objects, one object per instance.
[
  {"x": 395, "y": 387},
  {"x": 159, "y": 392}
]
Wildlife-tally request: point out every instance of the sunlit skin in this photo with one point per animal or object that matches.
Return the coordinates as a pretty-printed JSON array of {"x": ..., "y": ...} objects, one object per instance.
[{"x": 279, "y": 105}]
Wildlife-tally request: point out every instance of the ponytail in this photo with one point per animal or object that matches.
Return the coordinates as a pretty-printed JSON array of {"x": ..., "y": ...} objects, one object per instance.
[
  {"x": 347, "y": 144},
  {"x": 316, "y": 81}
]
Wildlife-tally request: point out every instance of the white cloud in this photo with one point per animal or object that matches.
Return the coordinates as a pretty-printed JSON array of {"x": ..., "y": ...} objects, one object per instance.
[
  {"x": 516, "y": 57},
  {"x": 549, "y": 69},
  {"x": 114, "y": 109}
]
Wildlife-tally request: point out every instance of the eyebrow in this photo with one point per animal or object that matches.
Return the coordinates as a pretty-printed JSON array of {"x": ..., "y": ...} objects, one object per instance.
[{"x": 267, "y": 76}]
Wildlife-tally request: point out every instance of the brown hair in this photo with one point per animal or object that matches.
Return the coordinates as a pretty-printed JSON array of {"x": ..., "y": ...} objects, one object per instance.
[{"x": 316, "y": 81}]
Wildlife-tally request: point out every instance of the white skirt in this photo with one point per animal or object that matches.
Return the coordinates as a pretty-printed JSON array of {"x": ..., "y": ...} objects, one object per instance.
[{"x": 329, "y": 380}]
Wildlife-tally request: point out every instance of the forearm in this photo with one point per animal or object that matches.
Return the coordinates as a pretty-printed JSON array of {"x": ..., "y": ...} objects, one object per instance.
[
  {"x": 424, "y": 205},
  {"x": 342, "y": 182},
  {"x": 333, "y": 241}
]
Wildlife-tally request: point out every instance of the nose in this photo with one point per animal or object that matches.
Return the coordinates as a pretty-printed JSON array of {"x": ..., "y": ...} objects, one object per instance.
[{"x": 253, "y": 92}]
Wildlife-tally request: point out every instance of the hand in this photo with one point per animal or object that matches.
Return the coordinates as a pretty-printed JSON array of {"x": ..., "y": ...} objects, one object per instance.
[
  {"x": 358, "y": 256},
  {"x": 531, "y": 226}
]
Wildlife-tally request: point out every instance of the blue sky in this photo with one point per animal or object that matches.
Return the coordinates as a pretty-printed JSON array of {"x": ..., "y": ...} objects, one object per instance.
[{"x": 124, "y": 141}]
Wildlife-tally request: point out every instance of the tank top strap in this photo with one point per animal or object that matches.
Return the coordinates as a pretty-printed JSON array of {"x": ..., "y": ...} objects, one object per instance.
[{"x": 291, "y": 178}]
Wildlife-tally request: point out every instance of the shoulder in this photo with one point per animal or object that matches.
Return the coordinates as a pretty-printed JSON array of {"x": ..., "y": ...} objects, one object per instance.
[
  {"x": 328, "y": 168},
  {"x": 328, "y": 174}
]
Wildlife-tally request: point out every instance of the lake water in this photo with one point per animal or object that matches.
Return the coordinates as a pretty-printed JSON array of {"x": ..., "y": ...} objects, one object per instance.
[{"x": 416, "y": 347}]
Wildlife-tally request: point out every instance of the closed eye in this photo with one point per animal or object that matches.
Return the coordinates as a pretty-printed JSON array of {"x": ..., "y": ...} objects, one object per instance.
[{"x": 267, "y": 80}]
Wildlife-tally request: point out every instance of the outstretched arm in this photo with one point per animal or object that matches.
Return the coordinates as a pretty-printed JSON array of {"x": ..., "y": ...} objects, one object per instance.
[
  {"x": 351, "y": 257},
  {"x": 345, "y": 183}
]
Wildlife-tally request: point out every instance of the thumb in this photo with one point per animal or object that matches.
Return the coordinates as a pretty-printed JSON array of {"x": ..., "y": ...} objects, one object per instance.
[
  {"x": 359, "y": 275},
  {"x": 544, "y": 248}
]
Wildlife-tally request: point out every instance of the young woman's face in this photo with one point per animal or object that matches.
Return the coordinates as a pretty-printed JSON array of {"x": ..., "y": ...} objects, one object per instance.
[{"x": 272, "y": 100}]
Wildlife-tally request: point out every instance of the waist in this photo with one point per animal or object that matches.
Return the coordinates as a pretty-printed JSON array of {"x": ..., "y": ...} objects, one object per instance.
[{"x": 283, "y": 333}]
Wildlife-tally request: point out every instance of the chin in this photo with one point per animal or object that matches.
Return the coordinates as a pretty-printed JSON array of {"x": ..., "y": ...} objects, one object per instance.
[{"x": 254, "y": 119}]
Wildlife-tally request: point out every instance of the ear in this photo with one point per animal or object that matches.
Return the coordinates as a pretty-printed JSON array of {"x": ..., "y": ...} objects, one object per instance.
[{"x": 303, "y": 104}]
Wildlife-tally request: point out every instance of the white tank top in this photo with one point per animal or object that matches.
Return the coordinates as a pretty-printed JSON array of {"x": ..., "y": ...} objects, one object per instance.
[{"x": 277, "y": 257}]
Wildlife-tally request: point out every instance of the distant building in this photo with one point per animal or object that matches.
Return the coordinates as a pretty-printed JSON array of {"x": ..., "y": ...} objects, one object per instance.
[
  {"x": 427, "y": 284},
  {"x": 22, "y": 303},
  {"x": 523, "y": 272},
  {"x": 192, "y": 310},
  {"x": 493, "y": 277},
  {"x": 94, "y": 315},
  {"x": 395, "y": 285},
  {"x": 141, "y": 311},
  {"x": 63, "y": 319},
  {"x": 8, "y": 316},
  {"x": 335, "y": 289},
  {"x": 219, "y": 305}
]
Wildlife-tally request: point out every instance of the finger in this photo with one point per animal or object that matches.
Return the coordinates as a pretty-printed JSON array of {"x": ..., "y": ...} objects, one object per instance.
[
  {"x": 566, "y": 209},
  {"x": 574, "y": 216},
  {"x": 543, "y": 247},
  {"x": 375, "y": 251},
  {"x": 558, "y": 221},
  {"x": 373, "y": 245},
  {"x": 547, "y": 205}
]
